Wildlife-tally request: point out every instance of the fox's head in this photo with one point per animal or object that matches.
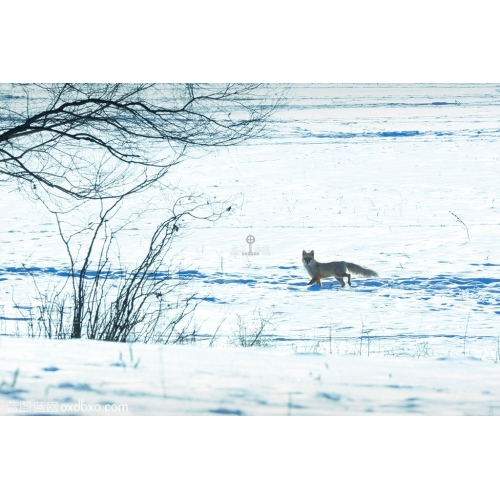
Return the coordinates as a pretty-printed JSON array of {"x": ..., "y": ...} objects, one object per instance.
[{"x": 307, "y": 257}]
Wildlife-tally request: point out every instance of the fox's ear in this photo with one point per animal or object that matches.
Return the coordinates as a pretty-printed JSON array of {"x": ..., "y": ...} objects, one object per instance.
[
  {"x": 312, "y": 253},
  {"x": 303, "y": 252}
]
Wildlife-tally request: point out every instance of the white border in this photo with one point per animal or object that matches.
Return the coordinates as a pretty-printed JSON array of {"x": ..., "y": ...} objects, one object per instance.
[{"x": 271, "y": 41}]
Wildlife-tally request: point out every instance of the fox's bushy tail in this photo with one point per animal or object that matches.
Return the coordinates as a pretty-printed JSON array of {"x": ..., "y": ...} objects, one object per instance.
[{"x": 362, "y": 271}]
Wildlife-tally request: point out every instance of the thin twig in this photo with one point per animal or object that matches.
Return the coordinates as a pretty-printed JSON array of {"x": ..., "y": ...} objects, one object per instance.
[{"x": 462, "y": 222}]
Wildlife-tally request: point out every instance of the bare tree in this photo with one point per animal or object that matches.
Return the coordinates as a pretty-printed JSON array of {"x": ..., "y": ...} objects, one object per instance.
[
  {"x": 144, "y": 303},
  {"x": 103, "y": 299},
  {"x": 97, "y": 141},
  {"x": 90, "y": 148}
]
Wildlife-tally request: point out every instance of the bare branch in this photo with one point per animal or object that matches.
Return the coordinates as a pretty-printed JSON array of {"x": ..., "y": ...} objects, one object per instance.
[{"x": 61, "y": 135}]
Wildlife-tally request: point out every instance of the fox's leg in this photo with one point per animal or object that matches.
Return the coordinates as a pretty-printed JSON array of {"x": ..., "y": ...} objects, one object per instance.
[
  {"x": 341, "y": 280},
  {"x": 315, "y": 280},
  {"x": 345, "y": 275}
]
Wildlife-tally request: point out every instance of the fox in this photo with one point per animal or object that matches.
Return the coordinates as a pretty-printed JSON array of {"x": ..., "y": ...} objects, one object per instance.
[{"x": 339, "y": 270}]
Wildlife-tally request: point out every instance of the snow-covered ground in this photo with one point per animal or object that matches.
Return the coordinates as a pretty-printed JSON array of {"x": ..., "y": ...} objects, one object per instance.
[
  {"x": 85, "y": 377},
  {"x": 403, "y": 179}
]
